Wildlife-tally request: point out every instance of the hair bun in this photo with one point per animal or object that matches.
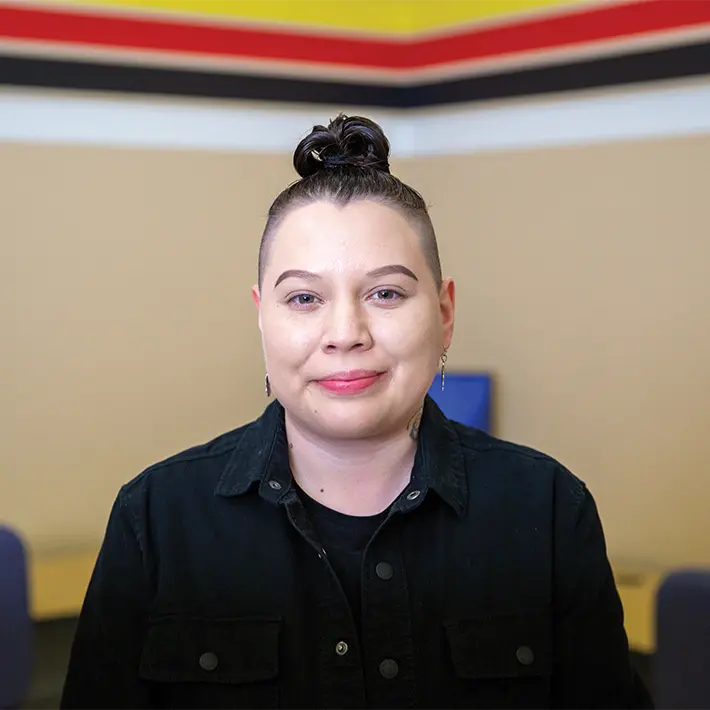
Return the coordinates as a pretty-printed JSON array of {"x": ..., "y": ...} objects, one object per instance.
[{"x": 348, "y": 141}]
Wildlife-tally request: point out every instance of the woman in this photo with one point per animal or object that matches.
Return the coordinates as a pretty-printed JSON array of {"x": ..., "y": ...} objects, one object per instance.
[{"x": 352, "y": 547}]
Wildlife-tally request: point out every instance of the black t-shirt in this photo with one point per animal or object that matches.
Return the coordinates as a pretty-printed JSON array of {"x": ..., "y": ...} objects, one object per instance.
[{"x": 344, "y": 538}]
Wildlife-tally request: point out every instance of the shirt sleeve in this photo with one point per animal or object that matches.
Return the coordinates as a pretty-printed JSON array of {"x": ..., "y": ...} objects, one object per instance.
[
  {"x": 592, "y": 665},
  {"x": 105, "y": 654}
]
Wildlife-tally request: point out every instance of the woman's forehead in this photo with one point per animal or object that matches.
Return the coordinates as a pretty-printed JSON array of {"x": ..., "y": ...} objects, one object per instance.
[{"x": 362, "y": 232}]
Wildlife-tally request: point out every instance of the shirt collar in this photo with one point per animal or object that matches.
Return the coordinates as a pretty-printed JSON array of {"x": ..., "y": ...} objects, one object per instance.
[{"x": 261, "y": 457}]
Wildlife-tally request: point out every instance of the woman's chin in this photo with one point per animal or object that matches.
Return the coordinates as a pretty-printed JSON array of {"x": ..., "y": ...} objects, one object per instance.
[{"x": 350, "y": 418}]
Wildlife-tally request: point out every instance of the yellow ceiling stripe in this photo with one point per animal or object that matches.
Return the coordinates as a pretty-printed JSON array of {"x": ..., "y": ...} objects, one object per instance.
[
  {"x": 434, "y": 14},
  {"x": 388, "y": 16}
]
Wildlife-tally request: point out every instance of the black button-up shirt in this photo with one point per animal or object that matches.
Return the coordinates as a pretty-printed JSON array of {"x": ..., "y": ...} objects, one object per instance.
[{"x": 486, "y": 585}]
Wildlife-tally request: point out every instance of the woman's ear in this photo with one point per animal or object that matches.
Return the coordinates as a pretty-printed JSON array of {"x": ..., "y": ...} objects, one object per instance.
[
  {"x": 447, "y": 300},
  {"x": 256, "y": 296}
]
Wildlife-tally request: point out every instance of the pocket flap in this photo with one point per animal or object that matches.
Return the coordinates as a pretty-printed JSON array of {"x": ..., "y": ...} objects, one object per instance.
[
  {"x": 507, "y": 646},
  {"x": 187, "y": 649}
]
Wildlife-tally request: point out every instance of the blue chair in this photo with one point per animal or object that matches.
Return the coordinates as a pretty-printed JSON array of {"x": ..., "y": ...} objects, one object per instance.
[
  {"x": 682, "y": 659},
  {"x": 15, "y": 622},
  {"x": 466, "y": 398}
]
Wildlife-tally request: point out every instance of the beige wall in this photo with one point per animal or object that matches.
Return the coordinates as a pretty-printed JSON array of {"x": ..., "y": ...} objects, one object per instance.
[{"x": 129, "y": 334}]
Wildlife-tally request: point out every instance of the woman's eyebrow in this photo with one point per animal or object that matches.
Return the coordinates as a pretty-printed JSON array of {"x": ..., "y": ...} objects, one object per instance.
[
  {"x": 392, "y": 269},
  {"x": 375, "y": 273},
  {"x": 296, "y": 274}
]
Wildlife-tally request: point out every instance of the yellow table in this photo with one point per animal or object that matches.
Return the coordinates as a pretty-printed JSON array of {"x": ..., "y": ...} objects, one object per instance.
[
  {"x": 638, "y": 588},
  {"x": 59, "y": 581}
]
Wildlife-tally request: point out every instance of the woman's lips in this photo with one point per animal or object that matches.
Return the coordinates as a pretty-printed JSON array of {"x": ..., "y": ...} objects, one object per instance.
[{"x": 351, "y": 382}]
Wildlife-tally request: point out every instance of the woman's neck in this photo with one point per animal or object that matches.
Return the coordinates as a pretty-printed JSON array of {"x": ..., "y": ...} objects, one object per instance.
[{"x": 358, "y": 477}]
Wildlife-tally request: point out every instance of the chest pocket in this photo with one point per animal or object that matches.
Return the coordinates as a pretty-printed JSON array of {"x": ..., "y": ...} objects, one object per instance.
[
  {"x": 501, "y": 661},
  {"x": 197, "y": 662}
]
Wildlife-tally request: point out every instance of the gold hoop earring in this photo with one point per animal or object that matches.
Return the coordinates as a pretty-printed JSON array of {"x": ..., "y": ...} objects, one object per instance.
[
  {"x": 267, "y": 386},
  {"x": 444, "y": 358}
]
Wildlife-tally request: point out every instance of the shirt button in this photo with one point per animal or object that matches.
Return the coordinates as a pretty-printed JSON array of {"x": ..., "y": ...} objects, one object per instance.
[
  {"x": 341, "y": 648},
  {"x": 525, "y": 656},
  {"x": 275, "y": 485},
  {"x": 389, "y": 669},
  {"x": 384, "y": 570},
  {"x": 413, "y": 495},
  {"x": 208, "y": 661}
]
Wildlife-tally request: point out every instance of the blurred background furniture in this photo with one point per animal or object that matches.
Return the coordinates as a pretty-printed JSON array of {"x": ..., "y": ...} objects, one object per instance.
[
  {"x": 58, "y": 582},
  {"x": 682, "y": 660},
  {"x": 466, "y": 398},
  {"x": 15, "y": 622}
]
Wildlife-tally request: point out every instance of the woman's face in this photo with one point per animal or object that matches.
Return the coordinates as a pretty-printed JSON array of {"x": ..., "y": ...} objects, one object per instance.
[{"x": 352, "y": 322}]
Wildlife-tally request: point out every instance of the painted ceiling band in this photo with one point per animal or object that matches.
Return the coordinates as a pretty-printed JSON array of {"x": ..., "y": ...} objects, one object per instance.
[
  {"x": 390, "y": 17},
  {"x": 624, "y": 69},
  {"x": 572, "y": 28}
]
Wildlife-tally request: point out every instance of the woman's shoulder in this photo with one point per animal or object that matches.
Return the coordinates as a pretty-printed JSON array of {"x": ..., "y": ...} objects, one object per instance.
[
  {"x": 206, "y": 460},
  {"x": 501, "y": 462}
]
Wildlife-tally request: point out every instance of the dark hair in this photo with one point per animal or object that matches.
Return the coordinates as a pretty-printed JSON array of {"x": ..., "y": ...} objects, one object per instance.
[{"x": 348, "y": 161}]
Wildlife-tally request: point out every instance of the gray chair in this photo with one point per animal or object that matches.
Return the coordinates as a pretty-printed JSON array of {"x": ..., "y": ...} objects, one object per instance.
[{"x": 682, "y": 659}]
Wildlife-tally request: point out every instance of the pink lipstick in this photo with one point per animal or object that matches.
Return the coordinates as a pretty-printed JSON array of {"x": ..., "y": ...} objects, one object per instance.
[{"x": 350, "y": 382}]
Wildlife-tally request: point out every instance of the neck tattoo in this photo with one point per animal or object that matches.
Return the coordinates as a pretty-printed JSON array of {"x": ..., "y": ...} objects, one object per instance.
[{"x": 414, "y": 424}]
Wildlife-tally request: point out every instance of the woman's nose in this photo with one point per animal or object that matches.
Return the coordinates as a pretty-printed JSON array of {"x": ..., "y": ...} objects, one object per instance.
[{"x": 347, "y": 328}]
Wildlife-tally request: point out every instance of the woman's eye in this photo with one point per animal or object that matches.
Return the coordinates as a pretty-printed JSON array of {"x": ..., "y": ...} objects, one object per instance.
[
  {"x": 386, "y": 294},
  {"x": 303, "y": 299}
]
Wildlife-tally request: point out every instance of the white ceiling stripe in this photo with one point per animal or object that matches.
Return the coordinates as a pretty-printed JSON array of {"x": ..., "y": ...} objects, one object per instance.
[{"x": 83, "y": 119}]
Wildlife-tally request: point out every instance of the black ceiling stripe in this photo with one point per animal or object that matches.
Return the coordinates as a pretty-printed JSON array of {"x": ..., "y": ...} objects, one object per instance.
[
  {"x": 628, "y": 68},
  {"x": 91, "y": 76}
]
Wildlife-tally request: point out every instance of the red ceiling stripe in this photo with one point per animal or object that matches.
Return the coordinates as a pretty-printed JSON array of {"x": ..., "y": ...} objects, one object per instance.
[
  {"x": 225, "y": 41},
  {"x": 574, "y": 27}
]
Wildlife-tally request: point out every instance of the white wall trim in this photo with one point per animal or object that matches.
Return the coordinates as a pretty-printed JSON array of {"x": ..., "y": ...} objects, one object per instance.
[
  {"x": 54, "y": 117},
  {"x": 599, "y": 117}
]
